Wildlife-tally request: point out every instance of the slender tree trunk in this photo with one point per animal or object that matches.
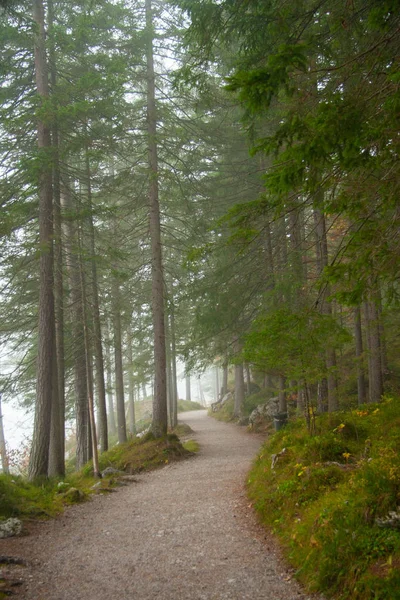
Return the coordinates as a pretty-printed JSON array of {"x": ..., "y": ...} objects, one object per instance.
[
  {"x": 374, "y": 352},
  {"x": 216, "y": 391},
  {"x": 132, "y": 421},
  {"x": 169, "y": 370},
  {"x": 361, "y": 385},
  {"x": 119, "y": 372},
  {"x": 248, "y": 378},
  {"x": 224, "y": 390},
  {"x": 239, "y": 390},
  {"x": 57, "y": 431},
  {"x": 159, "y": 424},
  {"x": 89, "y": 383},
  {"x": 325, "y": 307},
  {"x": 3, "y": 449},
  {"x": 112, "y": 427},
  {"x": 282, "y": 394},
  {"x": 97, "y": 338},
  {"x": 268, "y": 383},
  {"x": 188, "y": 388},
  {"x": 72, "y": 262},
  {"x": 45, "y": 392},
  {"x": 384, "y": 359},
  {"x": 174, "y": 416}
]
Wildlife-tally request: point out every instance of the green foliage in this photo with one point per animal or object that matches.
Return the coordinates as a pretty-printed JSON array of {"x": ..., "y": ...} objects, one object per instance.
[
  {"x": 324, "y": 495},
  {"x": 292, "y": 342}
]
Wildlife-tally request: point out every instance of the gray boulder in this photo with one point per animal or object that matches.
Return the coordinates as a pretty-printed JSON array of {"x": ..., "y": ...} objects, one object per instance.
[
  {"x": 217, "y": 405},
  {"x": 264, "y": 411},
  {"x": 10, "y": 528}
]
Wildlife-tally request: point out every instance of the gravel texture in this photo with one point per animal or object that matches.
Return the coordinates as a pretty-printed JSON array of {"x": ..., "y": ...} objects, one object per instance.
[{"x": 185, "y": 532}]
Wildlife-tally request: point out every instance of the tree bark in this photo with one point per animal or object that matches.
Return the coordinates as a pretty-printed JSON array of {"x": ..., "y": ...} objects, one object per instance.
[
  {"x": 119, "y": 372},
  {"x": 361, "y": 385},
  {"x": 3, "y": 449},
  {"x": 79, "y": 361},
  {"x": 239, "y": 390},
  {"x": 325, "y": 308},
  {"x": 89, "y": 382},
  {"x": 375, "y": 379},
  {"x": 282, "y": 394},
  {"x": 224, "y": 389},
  {"x": 132, "y": 420},
  {"x": 160, "y": 422},
  {"x": 45, "y": 392},
  {"x": 112, "y": 427},
  {"x": 174, "y": 414},
  {"x": 188, "y": 388},
  {"x": 97, "y": 338},
  {"x": 57, "y": 431}
]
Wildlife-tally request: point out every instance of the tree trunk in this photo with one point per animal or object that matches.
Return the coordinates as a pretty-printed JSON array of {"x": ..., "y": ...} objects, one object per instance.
[
  {"x": 89, "y": 382},
  {"x": 282, "y": 394},
  {"x": 174, "y": 415},
  {"x": 3, "y": 449},
  {"x": 361, "y": 386},
  {"x": 224, "y": 389},
  {"x": 160, "y": 423},
  {"x": 132, "y": 421},
  {"x": 216, "y": 391},
  {"x": 57, "y": 431},
  {"x": 45, "y": 392},
  {"x": 239, "y": 390},
  {"x": 248, "y": 379},
  {"x": 325, "y": 308},
  {"x": 77, "y": 322},
  {"x": 97, "y": 338},
  {"x": 112, "y": 427},
  {"x": 188, "y": 389},
  {"x": 374, "y": 352},
  {"x": 119, "y": 372}
]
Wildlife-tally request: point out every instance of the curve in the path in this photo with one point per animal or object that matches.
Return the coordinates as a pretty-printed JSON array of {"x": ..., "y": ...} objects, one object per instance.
[{"x": 182, "y": 533}]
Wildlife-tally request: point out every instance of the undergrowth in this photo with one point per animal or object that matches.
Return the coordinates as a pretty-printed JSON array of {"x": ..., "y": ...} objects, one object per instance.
[
  {"x": 225, "y": 412},
  {"x": 324, "y": 495},
  {"x": 186, "y": 405},
  {"x": 45, "y": 498}
]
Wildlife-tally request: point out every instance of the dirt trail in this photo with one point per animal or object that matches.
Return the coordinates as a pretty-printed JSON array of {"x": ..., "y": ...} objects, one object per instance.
[{"x": 181, "y": 533}]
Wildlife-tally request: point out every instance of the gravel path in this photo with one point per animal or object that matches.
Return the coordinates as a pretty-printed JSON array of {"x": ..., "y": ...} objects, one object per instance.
[{"x": 184, "y": 532}]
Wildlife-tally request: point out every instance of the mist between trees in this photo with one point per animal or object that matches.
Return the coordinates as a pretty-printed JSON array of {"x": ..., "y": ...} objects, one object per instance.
[{"x": 211, "y": 182}]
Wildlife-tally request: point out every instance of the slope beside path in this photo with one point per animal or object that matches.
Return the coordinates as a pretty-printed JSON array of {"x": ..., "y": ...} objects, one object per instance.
[{"x": 185, "y": 532}]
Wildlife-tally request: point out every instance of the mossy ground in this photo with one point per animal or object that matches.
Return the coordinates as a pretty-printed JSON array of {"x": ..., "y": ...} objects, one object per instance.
[
  {"x": 324, "y": 495},
  {"x": 41, "y": 499},
  {"x": 186, "y": 405}
]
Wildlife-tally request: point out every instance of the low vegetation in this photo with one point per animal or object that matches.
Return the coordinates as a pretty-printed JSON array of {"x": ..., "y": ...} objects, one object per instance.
[
  {"x": 225, "y": 412},
  {"x": 329, "y": 496},
  {"x": 186, "y": 405},
  {"x": 47, "y": 497}
]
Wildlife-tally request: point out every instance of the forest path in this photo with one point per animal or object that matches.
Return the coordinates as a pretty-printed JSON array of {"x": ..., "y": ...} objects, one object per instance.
[{"x": 184, "y": 532}]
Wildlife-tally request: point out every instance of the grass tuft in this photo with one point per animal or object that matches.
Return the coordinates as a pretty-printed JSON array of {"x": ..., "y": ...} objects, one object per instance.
[
  {"x": 46, "y": 498},
  {"x": 186, "y": 405},
  {"x": 324, "y": 495}
]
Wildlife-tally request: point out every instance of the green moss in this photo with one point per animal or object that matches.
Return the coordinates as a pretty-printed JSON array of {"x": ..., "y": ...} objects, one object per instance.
[
  {"x": 324, "y": 494},
  {"x": 191, "y": 446},
  {"x": 45, "y": 498},
  {"x": 225, "y": 413}
]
